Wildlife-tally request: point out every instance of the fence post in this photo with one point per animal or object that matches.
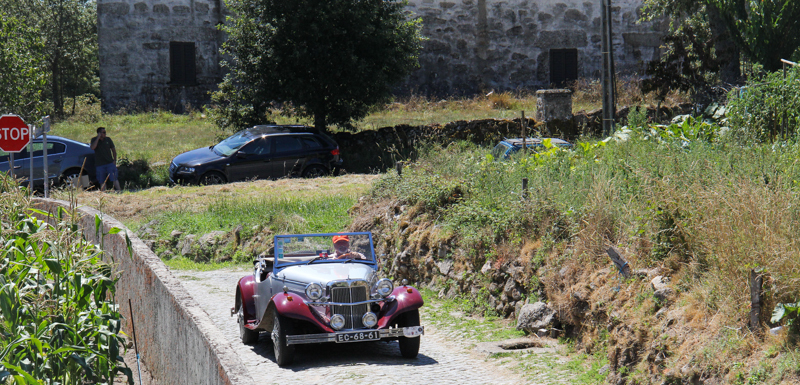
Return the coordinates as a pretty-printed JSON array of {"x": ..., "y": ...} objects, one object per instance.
[
  {"x": 524, "y": 134},
  {"x": 399, "y": 167},
  {"x": 756, "y": 284},
  {"x": 525, "y": 188}
]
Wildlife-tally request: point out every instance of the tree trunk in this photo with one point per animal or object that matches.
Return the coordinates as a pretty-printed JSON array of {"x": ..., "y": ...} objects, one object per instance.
[
  {"x": 319, "y": 120},
  {"x": 727, "y": 52}
]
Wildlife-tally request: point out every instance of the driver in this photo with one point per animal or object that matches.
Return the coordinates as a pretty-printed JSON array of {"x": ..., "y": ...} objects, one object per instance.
[{"x": 341, "y": 243}]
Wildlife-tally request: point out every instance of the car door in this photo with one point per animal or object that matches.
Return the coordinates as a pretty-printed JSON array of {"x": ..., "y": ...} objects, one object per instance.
[
  {"x": 287, "y": 155},
  {"x": 56, "y": 151},
  {"x": 18, "y": 162},
  {"x": 251, "y": 161}
]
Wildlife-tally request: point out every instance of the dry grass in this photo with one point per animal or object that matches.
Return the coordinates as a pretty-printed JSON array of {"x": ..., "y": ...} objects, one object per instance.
[
  {"x": 132, "y": 208},
  {"x": 588, "y": 95}
]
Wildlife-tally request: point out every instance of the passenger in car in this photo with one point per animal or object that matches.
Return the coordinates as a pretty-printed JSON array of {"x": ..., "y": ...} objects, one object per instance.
[{"x": 341, "y": 243}]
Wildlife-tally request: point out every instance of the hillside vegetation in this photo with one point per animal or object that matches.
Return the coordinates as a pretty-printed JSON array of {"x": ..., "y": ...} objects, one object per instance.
[{"x": 680, "y": 202}]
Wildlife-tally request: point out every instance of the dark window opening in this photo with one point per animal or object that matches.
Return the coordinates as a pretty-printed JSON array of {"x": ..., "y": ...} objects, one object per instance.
[
  {"x": 563, "y": 66},
  {"x": 182, "y": 63}
]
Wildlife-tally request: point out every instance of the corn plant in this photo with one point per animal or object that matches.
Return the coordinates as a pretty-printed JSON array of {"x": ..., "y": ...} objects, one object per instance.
[{"x": 58, "y": 320}]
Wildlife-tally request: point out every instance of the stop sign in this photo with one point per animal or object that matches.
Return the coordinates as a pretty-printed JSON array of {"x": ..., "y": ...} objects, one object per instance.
[{"x": 14, "y": 133}]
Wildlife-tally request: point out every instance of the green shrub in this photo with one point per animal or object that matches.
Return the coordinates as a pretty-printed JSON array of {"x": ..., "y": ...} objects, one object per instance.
[{"x": 759, "y": 111}]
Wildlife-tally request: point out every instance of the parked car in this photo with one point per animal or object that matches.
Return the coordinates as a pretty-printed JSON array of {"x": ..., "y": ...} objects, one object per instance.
[
  {"x": 65, "y": 158},
  {"x": 259, "y": 152},
  {"x": 319, "y": 288},
  {"x": 508, "y": 147}
]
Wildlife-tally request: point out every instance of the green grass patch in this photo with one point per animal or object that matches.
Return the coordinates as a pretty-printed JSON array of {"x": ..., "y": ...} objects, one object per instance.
[
  {"x": 181, "y": 263},
  {"x": 458, "y": 314}
]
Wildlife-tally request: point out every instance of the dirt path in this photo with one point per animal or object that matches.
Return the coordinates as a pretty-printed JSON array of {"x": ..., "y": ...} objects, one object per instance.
[{"x": 443, "y": 359}]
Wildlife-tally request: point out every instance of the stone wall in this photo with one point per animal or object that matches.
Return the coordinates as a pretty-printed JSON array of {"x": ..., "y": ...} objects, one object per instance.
[
  {"x": 471, "y": 46},
  {"x": 177, "y": 340},
  {"x": 478, "y": 45},
  {"x": 134, "y": 41}
]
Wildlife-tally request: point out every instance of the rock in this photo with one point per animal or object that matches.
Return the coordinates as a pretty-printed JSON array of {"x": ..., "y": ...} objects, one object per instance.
[
  {"x": 660, "y": 282},
  {"x": 175, "y": 234},
  {"x": 509, "y": 287},
  {"x": 516, "y": 295},
  {"x": 185, "y": 245},
  {"x": 212, "y": 238},
  {"x": 604, "y": 369},
  {"x": 486, "y": 267},
  {"x": 534, "y": 317},
  {"x": 663, "y": 295},
  {"x": 494, "y": 288},
  {"x": 445, "y": 266}
]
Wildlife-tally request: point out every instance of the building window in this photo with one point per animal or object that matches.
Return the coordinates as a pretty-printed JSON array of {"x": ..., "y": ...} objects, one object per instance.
[
  {"x": 563, "y": 66},
  {"x": 181, "y": 64}
]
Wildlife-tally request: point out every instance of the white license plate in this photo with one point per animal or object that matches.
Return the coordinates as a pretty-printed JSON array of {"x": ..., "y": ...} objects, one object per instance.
[
  {"x": 413, "y": 331},
  {"x": 358, "y": 336}
]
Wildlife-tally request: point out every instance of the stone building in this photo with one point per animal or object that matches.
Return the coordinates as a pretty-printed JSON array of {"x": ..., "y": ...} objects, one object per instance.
[{"x": 165, "y": 53}]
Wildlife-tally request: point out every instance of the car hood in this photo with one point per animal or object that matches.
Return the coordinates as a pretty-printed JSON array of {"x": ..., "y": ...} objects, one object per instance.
[
  {"x": 323, "y": 273},
  {"x": 197, "y": 157}
]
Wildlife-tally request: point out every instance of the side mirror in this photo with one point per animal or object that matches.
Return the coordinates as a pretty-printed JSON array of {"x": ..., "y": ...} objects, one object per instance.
[{"x": 242, "y": 155}]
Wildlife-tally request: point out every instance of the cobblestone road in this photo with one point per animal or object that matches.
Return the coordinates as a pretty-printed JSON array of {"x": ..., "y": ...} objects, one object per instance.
[{"x": 442, "y": 359}]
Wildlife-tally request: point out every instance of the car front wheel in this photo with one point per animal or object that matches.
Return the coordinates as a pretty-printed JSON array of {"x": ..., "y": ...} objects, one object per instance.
[
  {"x": 212, "y": 177},
  {"x": 281, "y": 326},
  {"x": 409, "y": 347},
  {"x": 248, "y": 336}
]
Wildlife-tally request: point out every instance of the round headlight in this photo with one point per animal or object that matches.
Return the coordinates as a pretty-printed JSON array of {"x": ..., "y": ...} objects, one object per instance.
[
  {"x": 369, "y": 319},
  {"x": 337, "y": 321},
  {"x": 314, "y": 291},
  {"x": 384, "y": 287}
]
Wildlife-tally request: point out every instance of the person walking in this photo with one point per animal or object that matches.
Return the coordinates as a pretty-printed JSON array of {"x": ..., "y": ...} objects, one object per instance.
[{"x": 105, "y": 159}]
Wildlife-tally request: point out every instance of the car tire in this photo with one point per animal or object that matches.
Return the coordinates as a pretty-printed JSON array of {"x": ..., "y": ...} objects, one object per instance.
[
  {"x": 212, "y": 177},
  {"x": 68, "y": 176},
  {"x": 409, "y": 347},
  {"x": 248, "y": 336},
  {"x": 314, "y": 171},
  {"x": 281, "y": 327}
]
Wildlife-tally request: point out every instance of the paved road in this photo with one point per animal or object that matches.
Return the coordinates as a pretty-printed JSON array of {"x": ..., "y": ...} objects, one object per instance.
[{"x": 442, "y": 358}]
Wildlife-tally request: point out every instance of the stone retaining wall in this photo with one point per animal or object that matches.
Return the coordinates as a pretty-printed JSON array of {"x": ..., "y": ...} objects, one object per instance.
[{"x": 177, "y": 340}]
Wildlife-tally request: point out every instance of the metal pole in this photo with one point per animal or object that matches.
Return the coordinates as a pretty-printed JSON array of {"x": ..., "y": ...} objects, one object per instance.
[
  {"x": 44, "y": 161},
  {"x": 11, "y": 164},
  {"x": 135, "y": 346},
  {"x": 30, "y": 162},
  {"x": 524, "y": 134},
  {"x": 609, "y": 105}
]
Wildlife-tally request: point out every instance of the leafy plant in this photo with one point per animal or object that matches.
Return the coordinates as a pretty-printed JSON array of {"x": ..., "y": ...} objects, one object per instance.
[
  {"x": 761, "y": 110},
  {"x": 58, "y": 320}
]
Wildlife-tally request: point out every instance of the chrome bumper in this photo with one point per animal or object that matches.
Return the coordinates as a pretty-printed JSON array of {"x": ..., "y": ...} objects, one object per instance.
[{"x": 331, "y": 337}]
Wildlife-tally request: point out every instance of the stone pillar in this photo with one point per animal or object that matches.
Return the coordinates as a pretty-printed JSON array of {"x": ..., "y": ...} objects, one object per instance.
[{"x": 554, "y": 108}]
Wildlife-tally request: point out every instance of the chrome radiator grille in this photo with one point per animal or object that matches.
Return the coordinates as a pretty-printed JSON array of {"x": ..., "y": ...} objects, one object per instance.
[{"x": 352, "y": 314}]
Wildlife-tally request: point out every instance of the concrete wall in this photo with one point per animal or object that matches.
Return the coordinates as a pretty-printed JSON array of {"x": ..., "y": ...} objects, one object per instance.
[
  {"x": 177, "y": 340},
  {"x": 479, "y": 45},
  {"x": 134, "y": 38}
]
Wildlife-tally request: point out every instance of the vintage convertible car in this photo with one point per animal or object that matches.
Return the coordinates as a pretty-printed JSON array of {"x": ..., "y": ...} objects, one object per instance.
[{"x": 320, "y": 288}]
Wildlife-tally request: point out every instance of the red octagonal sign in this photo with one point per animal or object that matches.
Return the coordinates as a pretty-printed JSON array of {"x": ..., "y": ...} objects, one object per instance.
[{"x": 14, "y": 133}]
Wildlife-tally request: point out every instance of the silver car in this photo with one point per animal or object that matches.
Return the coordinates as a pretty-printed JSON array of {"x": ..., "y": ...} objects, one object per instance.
[{"x": 65, "y": 159}]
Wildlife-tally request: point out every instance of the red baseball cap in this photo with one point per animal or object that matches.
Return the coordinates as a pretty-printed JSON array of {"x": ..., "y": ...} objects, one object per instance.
[{"x": 339, "y": 238}]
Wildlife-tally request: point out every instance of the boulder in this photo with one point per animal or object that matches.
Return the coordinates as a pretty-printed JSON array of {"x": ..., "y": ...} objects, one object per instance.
[{"x": 533, "y": 317}]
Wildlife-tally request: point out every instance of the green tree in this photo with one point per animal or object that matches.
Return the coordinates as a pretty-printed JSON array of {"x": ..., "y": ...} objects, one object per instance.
[
  {"x": 766, "y": 30},
  {"x": 331, "y": 60},
  {"x": 22, "y": 78},
  {"x": 68, "y": 31}
]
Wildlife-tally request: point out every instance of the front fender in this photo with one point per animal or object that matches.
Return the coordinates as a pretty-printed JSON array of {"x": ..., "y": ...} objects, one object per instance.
[
  {"x": 406, "y": 298},
  {"x": 291, "y": 305},
  {"x": 244, "y": 292}
]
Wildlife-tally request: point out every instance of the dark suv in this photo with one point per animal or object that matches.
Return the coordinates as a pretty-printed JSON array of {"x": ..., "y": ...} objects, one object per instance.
[{"x": 259, "y": 152}]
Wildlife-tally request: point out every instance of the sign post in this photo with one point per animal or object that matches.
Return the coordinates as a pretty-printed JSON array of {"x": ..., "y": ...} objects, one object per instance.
[
  {"x": 45, "y": 130},
  {"x": 14, "y": 136}
]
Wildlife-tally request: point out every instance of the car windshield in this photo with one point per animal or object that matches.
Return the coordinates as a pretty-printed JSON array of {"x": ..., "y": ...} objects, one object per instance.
[
  {"x": 233, "y": 143},
  {"x": 499, "y": 150},
  {"x": 323, "y": 248}
]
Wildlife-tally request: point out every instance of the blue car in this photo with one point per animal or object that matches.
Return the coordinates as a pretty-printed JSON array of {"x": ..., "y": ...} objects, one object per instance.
[
  {"x": 65, "y": 160},
  {"x": 508, "y": 147}
]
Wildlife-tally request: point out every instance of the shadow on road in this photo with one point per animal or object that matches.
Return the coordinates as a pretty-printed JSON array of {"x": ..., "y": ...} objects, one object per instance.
[{"x": 349, "y": 354}]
